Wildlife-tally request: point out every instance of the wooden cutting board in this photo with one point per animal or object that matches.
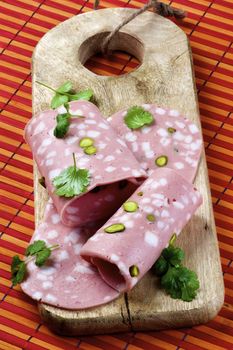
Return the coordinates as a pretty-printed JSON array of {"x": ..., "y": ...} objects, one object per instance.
[{"x": 165, "y": 77}]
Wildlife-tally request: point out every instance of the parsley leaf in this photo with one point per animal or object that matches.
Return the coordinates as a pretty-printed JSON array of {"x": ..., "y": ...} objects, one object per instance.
[
  {"x": 58, "y": 100},
  {"x": 161, "y": 266},
  {"x": 18, "y": 270},
  {"x": 62, "y": 127},
  {"x": 173, "y": 255},
  {"x": 37, "y": 251},
  {"x": 66, "y": 87},
  {"x": 180, "y": 283},
  {"x": 137, "y": 117},
  {"x": 35, "y": 247},
  {"x": 71, "y": 181},
  {"x": 82, "y": 95}
]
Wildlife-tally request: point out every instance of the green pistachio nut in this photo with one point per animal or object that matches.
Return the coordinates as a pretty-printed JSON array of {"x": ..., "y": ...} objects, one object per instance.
[{"x": 115, "y": 228}]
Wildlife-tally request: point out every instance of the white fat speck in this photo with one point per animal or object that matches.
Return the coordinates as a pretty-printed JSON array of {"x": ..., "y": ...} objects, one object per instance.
[
  {"x": 178, "y": 136},
  {"x": 70, "y": 279},
  {"x": 110, "y": 169},
  {"x": 71, "y": 139},
  {"x": 146, "y": 146},
  {"x": 169, "y": 124},
  {"x": 174, "y": 113},
  {"x": 188, "y": 160},
  {"x": 102, "y": 145},
  {"x": 73, "y": 236},
  {"x": 193, "y": 128},
  {"x": 99, "y": 156},
  {"x": 109, "y": 198},
  {"x": 83, "y": 269},
  {"x": 37, "y": 295},
  {"x": 149, "y": 181},
  {"x": 55, "y": 219},
  {"x": 145, "y": 129},
  {"x": 82, "y": 162},
  {"x": 51, "y": 154},
  {"x": 180, "y": 124},
  {"x": 160, "y": 111},
  {"x": 78, "y": 112},
  {"x": 163, "y": 181},
  {"x": 109, "y": 158},
  {"x": 151, "y": 239},
  {"x": 130, "y": 137},
  {"x": 154, "y": 185},
  {"x": 146, "y": 106},
  {"x": 93, "y": 133},
  {"x": 68, "y": 152},
  {"x": 188, "y": 216},
  {"x": 81, "y": 126},
  {"x": 149, "y": 154},
  {"x": 94, "y": 238},
  {"x": 82, "y": 133},
  {"x": 49, "y": 162},
  {"x": 41, "y": 276},
  {"x": 147, "y": 209},
  {"x": 41, "y": 150},
  {"x": 194, "y": 146},
  {"x": 179, "y": 165},
  {"x": 72, "y": 210},
  {"x": 46, "y": 142},
  {"x": 114, "y": 257},
  {"x": 31, "y": 267},
  {"x": 178, "y": 205},
  {"x": 122, "y": 267},
  {"x": 47, "y": 270},
  {"x": 188, "y": 139},
  {"x": 91, "y": 114},
  {"x": 77, "y": 248},
  {"x": 61, "y": 110},
  {"x": 47, "y": 285},
  {"x": 50, "y": 298},
  {"x": 165, "y": 213},
  {"x": 157, "y": 203},
  {"x": 165, "y": 141},
  {"x": 107, "y": 297},
  {"x": 136, "y": 173},
  {"x": 90, "y": 121},
  {"x": 160, "y": 225},
  {"x": 162, "y": 132},
  {"x": 194, "y": 199},
  {"x": 103, "y": 126},
  {"x": 129, "y": 224},
  {"x": 171, "y": 220},
  {"x": 158, "y": 195},
  {"x": 146, "y": 200},
  {"x": 62, "y": 255},
  {"x": 121, "y": 142},
  {"x": 194, "y": 164},
  {"x": 134, "y": 146},
  {"x": 98, "y": 177},
  {"x": 39, "y": 128},
  {"x": 52, "y": 234},
  {"x": 125, "y": 168},
  {"x": 185, "y": 199},
  {"x": 118, "y": 151},
  {"x": 53, "y": 173}
]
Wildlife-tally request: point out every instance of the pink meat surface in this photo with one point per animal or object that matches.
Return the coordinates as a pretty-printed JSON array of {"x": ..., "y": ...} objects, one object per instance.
[
  {"x": 112, "y": 163},
  {"x": 166, "y": 195},
  {"x": 182, "y": 147},
  {"x": 66, "y": 281}
]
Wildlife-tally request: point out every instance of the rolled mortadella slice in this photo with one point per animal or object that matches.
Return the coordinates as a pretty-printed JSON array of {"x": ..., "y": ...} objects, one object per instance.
[
  {"x": 127, "y": 246},
  {"x": 114, "y": 171},
  {"x": 172, "y": 141},
  {"x": 66, "y": 280}
]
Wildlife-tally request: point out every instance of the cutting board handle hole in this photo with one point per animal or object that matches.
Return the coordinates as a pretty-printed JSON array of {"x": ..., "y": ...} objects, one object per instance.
[{"x": 124, "y": 47}]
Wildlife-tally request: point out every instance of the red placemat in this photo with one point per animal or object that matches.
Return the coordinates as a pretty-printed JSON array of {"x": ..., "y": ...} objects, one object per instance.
[{"x": 209, "y": 26}]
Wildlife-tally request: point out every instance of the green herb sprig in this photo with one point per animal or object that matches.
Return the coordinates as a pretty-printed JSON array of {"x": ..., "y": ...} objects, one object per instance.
[
  {"x": 65, "y": 94},
  {"x": 37, "y": 251},
  {"x": 137, "y": 117},
  {"x": 71, "y": 181},
  {"x": 178, "y": 281}
]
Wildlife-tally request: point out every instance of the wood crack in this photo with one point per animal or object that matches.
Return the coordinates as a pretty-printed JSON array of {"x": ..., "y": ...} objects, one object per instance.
[{"x": 128, "y": 311}]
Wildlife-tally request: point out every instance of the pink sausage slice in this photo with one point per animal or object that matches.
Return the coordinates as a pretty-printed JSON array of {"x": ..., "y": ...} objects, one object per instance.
[
  {"x": 115, "y": 172},
  {"x": 66, "y": 281},
  {"x": 126, "y": 247},
  {"x": 171, "y": 135}
]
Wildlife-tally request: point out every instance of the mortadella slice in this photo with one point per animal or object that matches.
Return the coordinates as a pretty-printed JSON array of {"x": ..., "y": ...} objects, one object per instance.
[
  {"x": 127, "y": 246},
  {"x": 114, "y": 171},
  {"x": 66, "y": 281},
  {"x": 172, "y": 141}
]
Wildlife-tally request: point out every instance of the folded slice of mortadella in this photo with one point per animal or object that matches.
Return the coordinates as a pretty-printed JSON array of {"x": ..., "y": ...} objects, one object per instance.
[
  {"x": 171, "y": 141},
  {"x": 114, "y": 171},
  {"x": 127, "y": 246},
  {"x": 66, "y": 281}
]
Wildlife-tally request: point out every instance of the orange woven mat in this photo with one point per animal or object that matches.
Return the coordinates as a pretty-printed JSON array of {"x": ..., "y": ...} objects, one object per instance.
[{"x": 209, "y": 25}]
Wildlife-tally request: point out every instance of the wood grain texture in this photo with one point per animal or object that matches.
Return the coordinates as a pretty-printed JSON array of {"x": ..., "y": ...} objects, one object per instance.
[{"x": 165, "y": 77}]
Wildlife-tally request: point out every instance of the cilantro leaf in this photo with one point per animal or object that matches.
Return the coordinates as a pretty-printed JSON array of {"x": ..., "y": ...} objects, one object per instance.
[
  {"x": 82, "y": 95},
  {"x": 66, "y": 87},
  {"x": 137, "y": 117},
  {"x": 62, "y": 127},
  {"x": 18, "y": 270},
  {"x": 180, "y": 283},
  {"x": 42, "y": 256},
  {"x": 173, "y": 255},
  {"x": 35, "y": 247},
  {"x": 71, "y": 181},
  {"x": 58, "y": 100},
  {"x": 161, "y": 266}
]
